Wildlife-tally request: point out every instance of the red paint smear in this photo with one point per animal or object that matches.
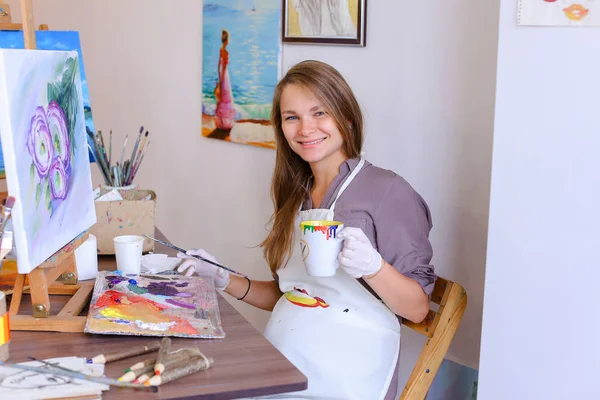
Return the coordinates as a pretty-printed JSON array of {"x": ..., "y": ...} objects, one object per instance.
[
  {"x": 112, "y": 298},
  {"x": 322, "y": 302},
  {"x": 183, "y": 326}
]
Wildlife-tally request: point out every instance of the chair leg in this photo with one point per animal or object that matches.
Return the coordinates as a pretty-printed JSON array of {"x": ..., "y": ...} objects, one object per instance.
[{"x": 436, "y": 347}]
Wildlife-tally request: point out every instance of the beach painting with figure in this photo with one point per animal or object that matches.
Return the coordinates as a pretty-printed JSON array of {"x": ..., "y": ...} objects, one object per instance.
[
  {"x": 240, "y": 69},
  {"x": 42, "y": 126}
]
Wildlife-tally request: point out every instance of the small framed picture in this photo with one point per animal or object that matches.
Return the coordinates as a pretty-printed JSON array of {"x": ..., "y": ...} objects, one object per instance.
[{"x": 341, "y": 22}]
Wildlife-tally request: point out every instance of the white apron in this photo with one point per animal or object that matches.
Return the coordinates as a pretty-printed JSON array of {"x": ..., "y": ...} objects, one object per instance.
[{"x": 333, "y": 329}]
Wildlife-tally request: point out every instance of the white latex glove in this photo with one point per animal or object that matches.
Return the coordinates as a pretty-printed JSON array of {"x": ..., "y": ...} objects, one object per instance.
[
  {"x": 191, "y": 265},
  {"x": 358, "y": 258}
]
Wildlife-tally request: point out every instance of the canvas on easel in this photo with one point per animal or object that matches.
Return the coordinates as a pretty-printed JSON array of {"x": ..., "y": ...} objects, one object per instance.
[{"x": 42, "y": 127}]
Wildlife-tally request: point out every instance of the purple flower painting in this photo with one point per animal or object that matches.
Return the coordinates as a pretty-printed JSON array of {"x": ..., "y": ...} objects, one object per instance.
[
  {"x": 39, "y": 142},
  {"x": 44, "y": 143},
  {"x": 48, "y": 145}
]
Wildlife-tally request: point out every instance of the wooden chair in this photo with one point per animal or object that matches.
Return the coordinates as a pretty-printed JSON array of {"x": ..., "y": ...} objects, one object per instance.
[{"x": 440, "y": 328}]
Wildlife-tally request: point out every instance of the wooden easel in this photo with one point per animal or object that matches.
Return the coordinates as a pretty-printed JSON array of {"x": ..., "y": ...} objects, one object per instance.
[{"x": 43, "y": 280}]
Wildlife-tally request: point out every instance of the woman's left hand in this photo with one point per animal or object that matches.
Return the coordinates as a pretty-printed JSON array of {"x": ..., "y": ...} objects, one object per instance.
[{"x": 358, "y": 257}]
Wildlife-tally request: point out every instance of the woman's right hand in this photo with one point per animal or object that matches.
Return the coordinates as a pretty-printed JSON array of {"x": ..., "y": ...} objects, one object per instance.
[{"x": 193, "y": 265}]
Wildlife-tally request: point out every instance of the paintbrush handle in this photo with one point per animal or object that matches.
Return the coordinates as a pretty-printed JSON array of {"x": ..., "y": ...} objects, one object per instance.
[
  {"x": 221, "y": 266},
  {"x": 74, "y": 374},
  {"x": 179, "y": 249}
]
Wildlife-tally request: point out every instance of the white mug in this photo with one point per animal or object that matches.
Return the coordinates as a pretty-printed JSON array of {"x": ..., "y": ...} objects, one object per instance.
[{"x": 320, "y": 246}]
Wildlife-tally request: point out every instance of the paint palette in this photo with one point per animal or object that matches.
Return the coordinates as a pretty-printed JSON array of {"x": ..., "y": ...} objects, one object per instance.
[{"x": 154, "y": 305}]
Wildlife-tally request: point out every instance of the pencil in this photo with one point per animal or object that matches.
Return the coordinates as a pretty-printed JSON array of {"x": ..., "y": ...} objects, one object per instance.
[
  {"x": 143, "y": 378},
  {"x": 185, "y": 351},
  {"x": 125, "y": 353},
  {"x": 142, "y": 364},
  {"x": 196, "y": 364},
  {"x": 132, "y": 375},
  {"x": 165, "y": 346},
  {"x": 175, "y": 358},
  {"x": 135, "y": 374}
]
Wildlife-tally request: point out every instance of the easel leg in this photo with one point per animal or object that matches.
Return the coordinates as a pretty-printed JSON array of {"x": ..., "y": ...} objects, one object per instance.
[
  {"x": 15, "y": 301},
  {"x": 39, "y": 293}
]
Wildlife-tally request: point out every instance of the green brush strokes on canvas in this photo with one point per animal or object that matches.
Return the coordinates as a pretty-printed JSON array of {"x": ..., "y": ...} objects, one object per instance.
[
  {"x": 64, "y": 92},
  {"x": 32, "y": 172},
  {"x": 48, "y": 197},
  {"x": 38, "y": 193}
]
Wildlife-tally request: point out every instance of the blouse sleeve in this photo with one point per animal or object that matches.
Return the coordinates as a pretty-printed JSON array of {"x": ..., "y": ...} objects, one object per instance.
[{"x": 402, "y": 225}]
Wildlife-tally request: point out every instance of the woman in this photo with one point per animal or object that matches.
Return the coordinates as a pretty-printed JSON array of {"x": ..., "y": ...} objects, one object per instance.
[
  {"x": 225, "y": 112},
  {"x": 349, "y": 348}
]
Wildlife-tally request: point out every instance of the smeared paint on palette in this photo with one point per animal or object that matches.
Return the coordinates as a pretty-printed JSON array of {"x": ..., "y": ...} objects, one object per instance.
[{"x": 154, "y": 305}]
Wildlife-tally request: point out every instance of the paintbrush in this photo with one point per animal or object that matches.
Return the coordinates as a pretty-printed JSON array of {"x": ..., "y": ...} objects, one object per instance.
[
  {"x": 7, "y": 210},
  {"x": 137, "y": 166},
  {"x": 195, "y": 256},
  {"x": 62, "y": 371},
  {"x": 100, "y": 156},
  {"x": 123, "y": 151},
  {"x": 110, "y": 148},
  {"x": 6, "y": 235},
  {"x": 135, "y": 146},
  {"x": 141, "y": 148}
]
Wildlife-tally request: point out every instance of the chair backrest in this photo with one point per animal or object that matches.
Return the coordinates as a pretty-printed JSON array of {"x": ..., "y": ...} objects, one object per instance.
[{"x": 439, "y": 327}]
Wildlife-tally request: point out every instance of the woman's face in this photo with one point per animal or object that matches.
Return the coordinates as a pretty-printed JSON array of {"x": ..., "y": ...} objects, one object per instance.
[{"x": 308, "y": 128}]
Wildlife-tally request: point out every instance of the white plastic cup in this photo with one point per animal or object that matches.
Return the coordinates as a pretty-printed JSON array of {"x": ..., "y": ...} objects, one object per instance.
[
  {"x": 128, "y": 252},
  {"x": 86, "y": 257},
  {"x": 320, "y": 247}
]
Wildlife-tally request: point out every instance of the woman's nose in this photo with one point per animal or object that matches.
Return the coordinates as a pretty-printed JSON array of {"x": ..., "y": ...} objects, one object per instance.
[{"x": 308, "y": 126}]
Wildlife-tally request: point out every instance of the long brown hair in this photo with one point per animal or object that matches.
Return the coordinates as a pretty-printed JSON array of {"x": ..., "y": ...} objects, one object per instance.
[{"x": 291, "y": 175}]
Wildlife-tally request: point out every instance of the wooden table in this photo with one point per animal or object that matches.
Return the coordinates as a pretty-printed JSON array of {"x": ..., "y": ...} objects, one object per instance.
[{"x": 246, "y": 364}]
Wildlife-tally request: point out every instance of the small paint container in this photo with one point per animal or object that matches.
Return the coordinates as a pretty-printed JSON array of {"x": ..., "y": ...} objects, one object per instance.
[{"x": 4, "y": 329}]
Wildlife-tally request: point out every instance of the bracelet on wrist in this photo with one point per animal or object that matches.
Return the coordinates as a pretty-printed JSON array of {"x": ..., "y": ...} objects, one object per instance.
[{"x": 247, "y": 290}]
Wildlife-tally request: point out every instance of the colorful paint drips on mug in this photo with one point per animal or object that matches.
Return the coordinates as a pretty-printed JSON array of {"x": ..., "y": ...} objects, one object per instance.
[{"x": 329, "y": 231}]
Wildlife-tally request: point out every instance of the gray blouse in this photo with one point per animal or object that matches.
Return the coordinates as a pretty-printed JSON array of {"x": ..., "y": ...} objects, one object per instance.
[{"x": 392, "y": 214}]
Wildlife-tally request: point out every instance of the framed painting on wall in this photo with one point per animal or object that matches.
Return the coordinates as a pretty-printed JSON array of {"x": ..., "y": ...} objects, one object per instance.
[
  {"x": 241, "y": 57},
  {"x": 340, "y": 22}
]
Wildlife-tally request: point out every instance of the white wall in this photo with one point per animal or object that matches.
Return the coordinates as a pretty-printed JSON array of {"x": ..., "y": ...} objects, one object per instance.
[
  {"x": 425, "y": 79},
  {"x": 540, "y": 316}
]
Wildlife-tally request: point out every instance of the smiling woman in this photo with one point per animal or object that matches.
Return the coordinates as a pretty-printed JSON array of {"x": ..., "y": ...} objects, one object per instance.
[{"x": 383, "y": 270}]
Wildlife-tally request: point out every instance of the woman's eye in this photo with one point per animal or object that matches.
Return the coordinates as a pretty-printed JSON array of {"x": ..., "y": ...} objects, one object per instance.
[
  {"x": 291, "y": 117},
  {"x": 320, "y": 113}
]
